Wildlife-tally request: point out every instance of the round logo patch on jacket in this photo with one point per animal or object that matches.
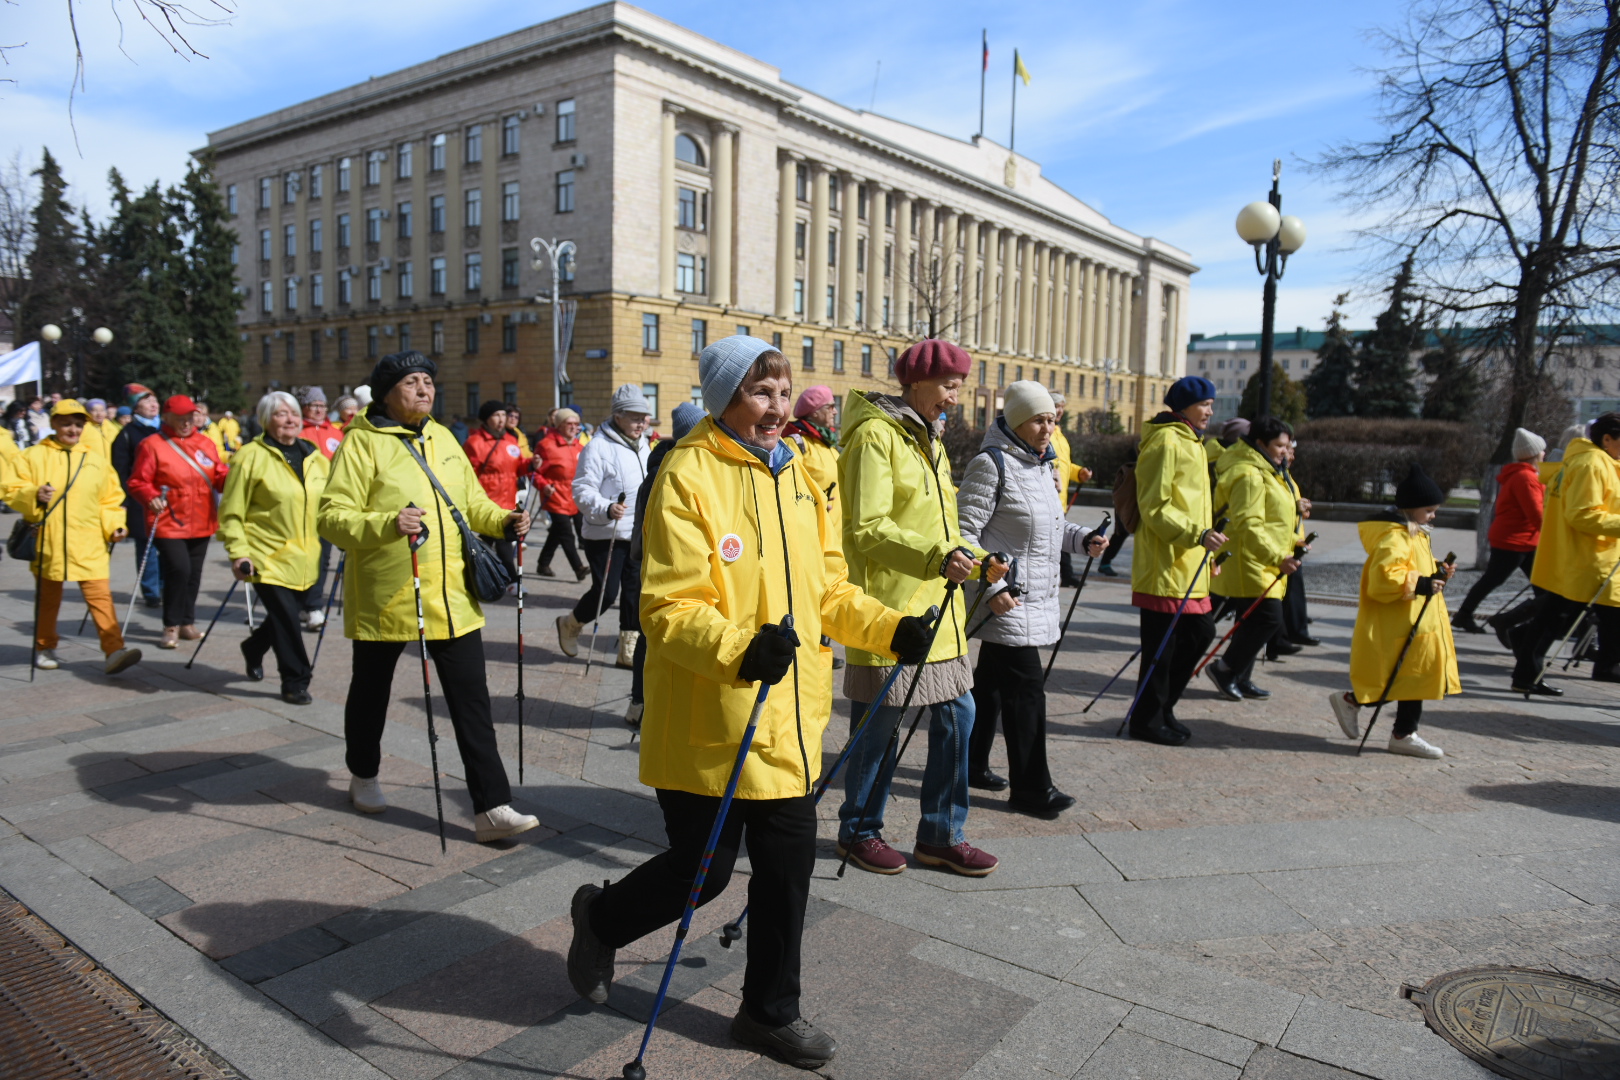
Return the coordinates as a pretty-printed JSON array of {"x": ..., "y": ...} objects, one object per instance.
[
  {"x": 513, "y": 451},
  {"x": 731, "y": 547},
  {"x": 332, "y": 443}
]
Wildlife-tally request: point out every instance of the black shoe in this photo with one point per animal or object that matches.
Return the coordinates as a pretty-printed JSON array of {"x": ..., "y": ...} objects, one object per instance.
[
  {"x": 800, "y": 1044},
  {"x": 296, "y": 697},
  {"x": 1303, "y": 639},
  {"x": 1504, "y": 634},
  {"x": 1175, "y": 725},
  {"x": 985, "y": 780},
  {"x": 838, "y": 662},
  {"x": 1608, "y": 674},
  {"x": 255, "y": 668},
  {"x": 1107, "y": 570},
  {"x": 1223, "y": 678},
  {"x": 1466, "y": 624},
  {"x": 152, "y": 601},
  {"x": 1048, "y": 804},
  {"x": 590, "y": 963},
  {"x": 545, "y": 571},
  {"x": 581, "y": 573},
  {"x": 1249, "y": 690},
  {"x": 1069, "y": 583},
  {"x": 1541, "y": 689},
  {"x": 1163, "y": 735},
  {"x": 1283, "y": 647}
]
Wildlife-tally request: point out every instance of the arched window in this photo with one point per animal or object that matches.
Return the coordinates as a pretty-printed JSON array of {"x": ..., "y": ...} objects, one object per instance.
[{"x": 688, "y": 150}]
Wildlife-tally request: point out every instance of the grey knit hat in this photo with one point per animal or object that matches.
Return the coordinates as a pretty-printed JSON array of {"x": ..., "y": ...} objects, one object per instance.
[
  {"x": 312, "y": 395},
  {"x": 685, "y": 418},
  {"x": 1527, "y": 444},
  {"x": 629, "y": 399},
  {"x": 723, "y": 366}
]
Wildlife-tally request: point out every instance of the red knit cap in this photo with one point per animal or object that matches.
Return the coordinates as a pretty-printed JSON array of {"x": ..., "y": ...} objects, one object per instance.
[{"x": 932, "y": 358}]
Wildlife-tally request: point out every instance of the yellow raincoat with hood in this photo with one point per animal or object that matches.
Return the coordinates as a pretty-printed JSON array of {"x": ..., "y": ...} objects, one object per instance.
[
  {"x": 1398, "y": 554},
  {"x": 268, "y": 514},
  {"x": 1262, "y": 512},
  {"x": 72, "y": 545},
  {"x": 726, "y": 548},
  {"x": 1172, "y": 491},
  {"x": 1580, "y": 527},
  {"x": 373, "y": 478}
]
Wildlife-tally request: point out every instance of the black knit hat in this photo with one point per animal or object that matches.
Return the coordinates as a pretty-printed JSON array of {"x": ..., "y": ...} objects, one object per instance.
[
  {"x": 394, "y": 367},
  {"x": 1418, "y": 490},
  {"x": 490, "y": 408}
]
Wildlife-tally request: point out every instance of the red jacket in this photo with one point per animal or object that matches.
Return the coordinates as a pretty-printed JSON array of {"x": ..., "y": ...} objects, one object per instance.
[
  {"x": 1516, "y": 525},
  {"x": 559, "y": 460},
  {"x": 326, "y": 435},
  {"x": 498, "y": 462},
  {"x": 187, "y": 467}
]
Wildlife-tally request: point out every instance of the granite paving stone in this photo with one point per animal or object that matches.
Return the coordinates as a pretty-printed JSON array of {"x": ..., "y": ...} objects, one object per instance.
[
  {"x": 1129, "y": 1054},
  {"x": 1374, "y": 1045},
  {"x": 1174, "y": 909},
  {"x": 1247, "y": 1008}
]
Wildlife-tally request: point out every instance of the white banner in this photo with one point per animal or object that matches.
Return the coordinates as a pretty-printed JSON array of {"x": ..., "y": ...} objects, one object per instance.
[
  {"x": 20, "y": 365},
  {"x": 565, "y": 312}
]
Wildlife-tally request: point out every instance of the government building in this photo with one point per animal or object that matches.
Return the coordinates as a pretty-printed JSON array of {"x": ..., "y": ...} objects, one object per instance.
[{"x": 705, "y": 196}]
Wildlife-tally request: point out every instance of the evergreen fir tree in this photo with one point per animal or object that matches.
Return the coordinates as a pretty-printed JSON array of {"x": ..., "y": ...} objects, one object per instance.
[
  {"x": 144, "y": 269},
  {"x": 1287, "y": 396},
  {"x": 1330, "y": 387},
  {"x": 1384, "y": 376},
  {"x": 1454, "y": 386},
  {"x": 54, "y": 288},
  {"x": 209, "y": 283}
]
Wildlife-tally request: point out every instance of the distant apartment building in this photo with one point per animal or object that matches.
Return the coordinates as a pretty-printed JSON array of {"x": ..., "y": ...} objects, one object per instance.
[{"x": 706, "y": 197}]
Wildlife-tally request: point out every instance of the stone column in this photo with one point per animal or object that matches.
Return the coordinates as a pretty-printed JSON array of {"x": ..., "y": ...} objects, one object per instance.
[
  {"x": 1105, "y": 312},
  {"x": 1076, "y": 274},
  {"x": 1173, "y": 350},
  {"x": 848, "y": 229},
  {"x": 666, "y": 204},
  {"x": 1127, "y": 324},
  {"x": 927, "y": 284},
  {"x": 876, "y": 287},
  {"x": 787, "y": 199},
  {"x": 723, "y": 180},
  {"x": 1007, "y": 337},
  {"x": 972, "y": 324},
  {"x": 1088, "y": 311},
  {"x": 815, "y": 247},
  {"x": 950, "y": 300},
  {"x": 1026, "y": 297},
  {"x": 899, "y": 324},
  {"x": 1043, "y": 306}
]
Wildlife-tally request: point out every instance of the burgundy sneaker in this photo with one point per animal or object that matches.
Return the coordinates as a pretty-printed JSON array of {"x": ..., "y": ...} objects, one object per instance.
[
  {"x": 874, "y": 854},
  {"x": 964, "y": 858}
]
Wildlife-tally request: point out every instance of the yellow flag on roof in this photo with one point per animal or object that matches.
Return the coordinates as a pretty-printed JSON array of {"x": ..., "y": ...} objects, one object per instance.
[{"x": 1019, "y": 69}]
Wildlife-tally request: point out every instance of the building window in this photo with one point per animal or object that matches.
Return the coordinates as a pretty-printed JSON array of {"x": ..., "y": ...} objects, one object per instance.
[
  {"x": 436, "y": 213},
  {"x": 690, "y": 273},
  {"x": 888, "y": 260},
  {"x": 292, "y": 294},
  {"x": 984, "y": 373},
  {"x": 509, "y": 268},
  {"x": 404, "y": 337},
  {"x": 373, "y": 283},
  {"x": 509, "y": 135},
  {"x": 404, "y": 215},
  {"x": 798, "y": 240},
  {"x": 264, "y": 245},
  {"x": 700, "y": 335},
  {"x": 798, "y": 296},
  {"x": 314, "y": 346},
  {"x": 374, "y": 226},
  {"x": 470, "y": 329},
  {"x": 688, "y": 150},
  {"x": 345, "y": 174},
  {"x": 565, "y": 267},
  {"x": 236, "y": 254},
  {"x": 509, "y": 393},
  {"x": 473, "y": 208},
  {"x": 832, "y": 247},
  {"x": 317, "y": 291},
  {"x": 866, "y": 359},
  {"x": 407, "y": 283},
  {"x": 230, "y": 199},
  {"x": 266, "y": 185},
  {"x": 509, "y": 201},
  {"x": 374, "y": 164},
  {"x": 289, "y": 239},
  {"x": 343, "y": 230},
  {"x": 801, "y": 182},
  {"x": 436, "y": 147},
  {"x": 807, "y": 346},
  {"x": 436, "y": 337},
  {"x": 292, "y": 348},
  {"x": 565, "y": 120},
  {"x": 831, "y": 296},
  {"x": 891, "y": 353},
  {"x": 860, "y": 306},
  {"x": 345, "y": 288},
  {"x": 688, "y": 209},
  {"x": 776, "y": 341},
  {"x": 696, "y": 396},
  {"x": 838, "y": 357},
  {"x": 289, "y": 187},
  {"x": 315, "y": 238},
  {"x": 317, "y": 181},
  {"x": 267, "y": 297},
  {"x": 474, "y": 398},
  {"x": 264, "y": 349},
  {"x": 475, "y": 271},
  {"x": 402, "y": 161},
  {"x": 833, "y": 187},
  {"x": 508, "y": 333},
  {"x": 649, "y": 332},
  {"x": 373, "y": 342},
  {"x": 650, "y": 392},
  {"x": 343, "y": 342},
  {"x": 744, "y": 331},
  {"x": 473, "y": 143},
  {"x": 860, "y": 254},
  {"x": 1068, "y": 379},
  {"x": 1001, "y": 376},
  {"x": 565, "y": 191}
]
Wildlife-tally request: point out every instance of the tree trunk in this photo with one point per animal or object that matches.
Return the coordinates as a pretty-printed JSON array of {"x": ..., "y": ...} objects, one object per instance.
[{"x": 1487, "y": 510}]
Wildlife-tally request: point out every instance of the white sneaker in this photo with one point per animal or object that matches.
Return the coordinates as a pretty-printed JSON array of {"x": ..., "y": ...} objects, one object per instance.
[
  {"x": 366, "y": 794},
  {"x": 501, "y": 822},
  {"x": 314, "y": 620},
  {"x": 119, "y": 659},
  {"x": 1414, "y": 746},
  {"x": 46, "y": 660},
  {"x": 568, "y": 630},
  {"x": 632, "y": 715},
  {"x": 512, "y": 589},
  {"x": 627, "y": 649},
  {"x": 1344, "y": 711}
]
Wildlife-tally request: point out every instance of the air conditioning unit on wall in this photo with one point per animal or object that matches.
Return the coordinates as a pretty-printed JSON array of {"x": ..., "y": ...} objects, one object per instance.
[{"x": 576, "y": 161}]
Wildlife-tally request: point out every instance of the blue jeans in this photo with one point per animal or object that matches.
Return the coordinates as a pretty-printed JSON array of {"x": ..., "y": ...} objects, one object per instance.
[
  {"x": 152, "y": 579},
  {"x": 944, "y": 786}
]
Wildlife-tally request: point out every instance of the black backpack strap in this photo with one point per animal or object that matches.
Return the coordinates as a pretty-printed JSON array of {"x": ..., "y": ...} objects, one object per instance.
[{"x": 996, "y": 455}]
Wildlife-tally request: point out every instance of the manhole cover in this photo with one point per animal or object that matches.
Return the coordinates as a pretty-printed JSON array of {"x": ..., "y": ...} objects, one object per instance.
[{"x": 1531, "y": 1025}]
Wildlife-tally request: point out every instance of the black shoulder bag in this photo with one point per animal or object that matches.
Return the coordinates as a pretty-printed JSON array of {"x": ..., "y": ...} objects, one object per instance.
[
  {"x": 20, "y": 545},
  {"x": 487, "y": 576}
]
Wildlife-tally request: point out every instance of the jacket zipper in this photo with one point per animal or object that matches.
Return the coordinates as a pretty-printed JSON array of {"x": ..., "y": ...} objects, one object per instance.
[{"x": 787, "y": 572}]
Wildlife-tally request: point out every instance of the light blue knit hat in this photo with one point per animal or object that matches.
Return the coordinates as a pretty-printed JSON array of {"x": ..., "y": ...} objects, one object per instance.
[
  {"x": 723, "y": 366},
  {"x": 685, "y": 418}
]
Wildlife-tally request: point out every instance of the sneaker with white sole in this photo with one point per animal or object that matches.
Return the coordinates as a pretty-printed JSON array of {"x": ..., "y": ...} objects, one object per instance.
[
  {"x": 366, "y": 794},
  {"x": 1345, "y": 711},
  {"x": 568, "y": 631},
  {"x": 120, "y": 659},
  {"x": 46, "y": 660},
  {"x": 1414, "y": 746},
  {"x": 502, "y": 821}
]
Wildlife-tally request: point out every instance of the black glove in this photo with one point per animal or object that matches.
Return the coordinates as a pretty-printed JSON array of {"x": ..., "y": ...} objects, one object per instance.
[
  {"x": 767, "y": 658},
  {"x": 1425, "y": 585},
  {"x": 911, "y": 640}
]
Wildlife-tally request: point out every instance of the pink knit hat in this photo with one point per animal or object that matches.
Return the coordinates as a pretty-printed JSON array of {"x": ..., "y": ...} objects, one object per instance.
[
  {"x": 812, "y": 399},
  {"x": 932, "y": 358}
]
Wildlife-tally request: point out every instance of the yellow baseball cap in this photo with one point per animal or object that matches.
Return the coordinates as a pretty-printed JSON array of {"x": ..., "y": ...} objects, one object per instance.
[{"x": 69, "y": 407}]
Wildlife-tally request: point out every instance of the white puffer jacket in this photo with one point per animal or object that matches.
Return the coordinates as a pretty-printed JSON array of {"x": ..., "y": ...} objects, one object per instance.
[
  {"x": 1028, "y": 523},
  {"x": 609, "y": 464}
]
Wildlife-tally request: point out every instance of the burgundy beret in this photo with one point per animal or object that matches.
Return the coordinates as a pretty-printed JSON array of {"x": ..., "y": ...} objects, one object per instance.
[{"x": 932, "y": 358}]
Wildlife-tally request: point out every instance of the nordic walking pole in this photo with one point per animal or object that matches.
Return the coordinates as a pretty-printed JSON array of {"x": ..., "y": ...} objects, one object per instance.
[
  {"x": 1514, "y": 599},
  {"x": 1098, "y": 533},
  {"x": 414, "y": 542},
  {"x": 1552, "y": 654},
  {"x": 140, "y": 572},
  {"x": 337, "y": 583},
  {"x": 601, "y": 597},
  {"x": 1013, "y": 590},
  {"x": 635, "y": 1070},
  {"x": 521, "y": 555},
  {"x": 203, "y": 640},
  {"x": 86, "y": 617},
  {"x": 1169, "y": 632},
  {"x": 1129, "y": 661},
  {"x": 1299, "y": 553},
  {"x": 1581, "y": 645},
  {"x": 988, "y": 567},
  {"x": 1383, "y": 698}
]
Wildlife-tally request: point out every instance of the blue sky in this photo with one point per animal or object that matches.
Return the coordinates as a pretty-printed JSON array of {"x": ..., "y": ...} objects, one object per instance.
[{"x": 1165, "y": 114}]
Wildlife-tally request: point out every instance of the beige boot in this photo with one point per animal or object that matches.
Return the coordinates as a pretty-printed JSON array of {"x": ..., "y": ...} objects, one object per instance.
[
  {"x": 170, "y": 639},
  {"x": 627, "y": 649},
  {"x": 189, "y": 632},
  {"x": 568, "y": 630}
]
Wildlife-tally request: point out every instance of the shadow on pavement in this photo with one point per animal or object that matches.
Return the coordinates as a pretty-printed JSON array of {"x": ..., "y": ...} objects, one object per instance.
[{"x": 1556, "y": 797}]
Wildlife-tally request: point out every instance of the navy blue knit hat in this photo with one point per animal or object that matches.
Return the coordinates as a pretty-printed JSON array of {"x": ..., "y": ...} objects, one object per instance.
[{"x": 1187, "y": 390}]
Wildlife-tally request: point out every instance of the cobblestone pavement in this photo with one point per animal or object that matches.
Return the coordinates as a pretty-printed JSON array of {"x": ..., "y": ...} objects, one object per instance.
[{"x": 1245, "y": 906}]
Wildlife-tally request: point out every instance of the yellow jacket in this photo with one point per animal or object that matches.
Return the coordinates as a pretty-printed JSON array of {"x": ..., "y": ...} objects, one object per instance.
[
  {"x": 822, "y": 461},
  {"x": 99, "y": 437},
  {"x": 1172, "y": 491},
  {"x": 900, "y": 519},
  {"x": 1580, "y": 524},
  {"x": 94, "y": 510},
  {"x": 373, "y": 478},
  {"x": 726, "y": 548},
  {"x": 1068, "y": 470},
  {"x": 231, "y": 432},
  {"x": 268, "y": 514},
  {"x": 9, "y": 456},
  {"x": 1397, "y": 556},
  {"x": 1261, "y": 531}
]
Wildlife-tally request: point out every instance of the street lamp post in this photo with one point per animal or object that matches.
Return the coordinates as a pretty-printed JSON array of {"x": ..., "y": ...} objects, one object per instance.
[
  {"x": 562, "y": 311},
  {"x": 1274, "y": 237},
  {"x": 52, "y": 333}
]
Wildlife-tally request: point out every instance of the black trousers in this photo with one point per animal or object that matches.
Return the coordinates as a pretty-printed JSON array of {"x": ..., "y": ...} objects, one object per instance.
[
  {"x": 314, "y": 597},
  {"x": 1114, "y": 545},
  {"x": 1533, "y": 639},
  {"x": 1294, "y": 622},
  {"x": 1407, "y": 715},
  {"x": 1007, "y": 686},
  {"x": 506, "y": 551},
  {"x": 183, "y": 560},
  {"x": 596, "y": 553},
  {"x": 782, "y": 849},
  {"x": 279, "y": 631},
  {"x": 564, "y": 532},
  {"x": 1252, "y": 634},
  {"x": 1498, "y": 569},
  {"x": 1182, "y": 652},
  {"x": 460, "y": 664}
]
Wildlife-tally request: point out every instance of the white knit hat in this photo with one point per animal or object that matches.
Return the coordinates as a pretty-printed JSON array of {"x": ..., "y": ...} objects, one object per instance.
[
  {"x": 1024, "y": 400},
  {"x": 1527, "y": 444}
]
